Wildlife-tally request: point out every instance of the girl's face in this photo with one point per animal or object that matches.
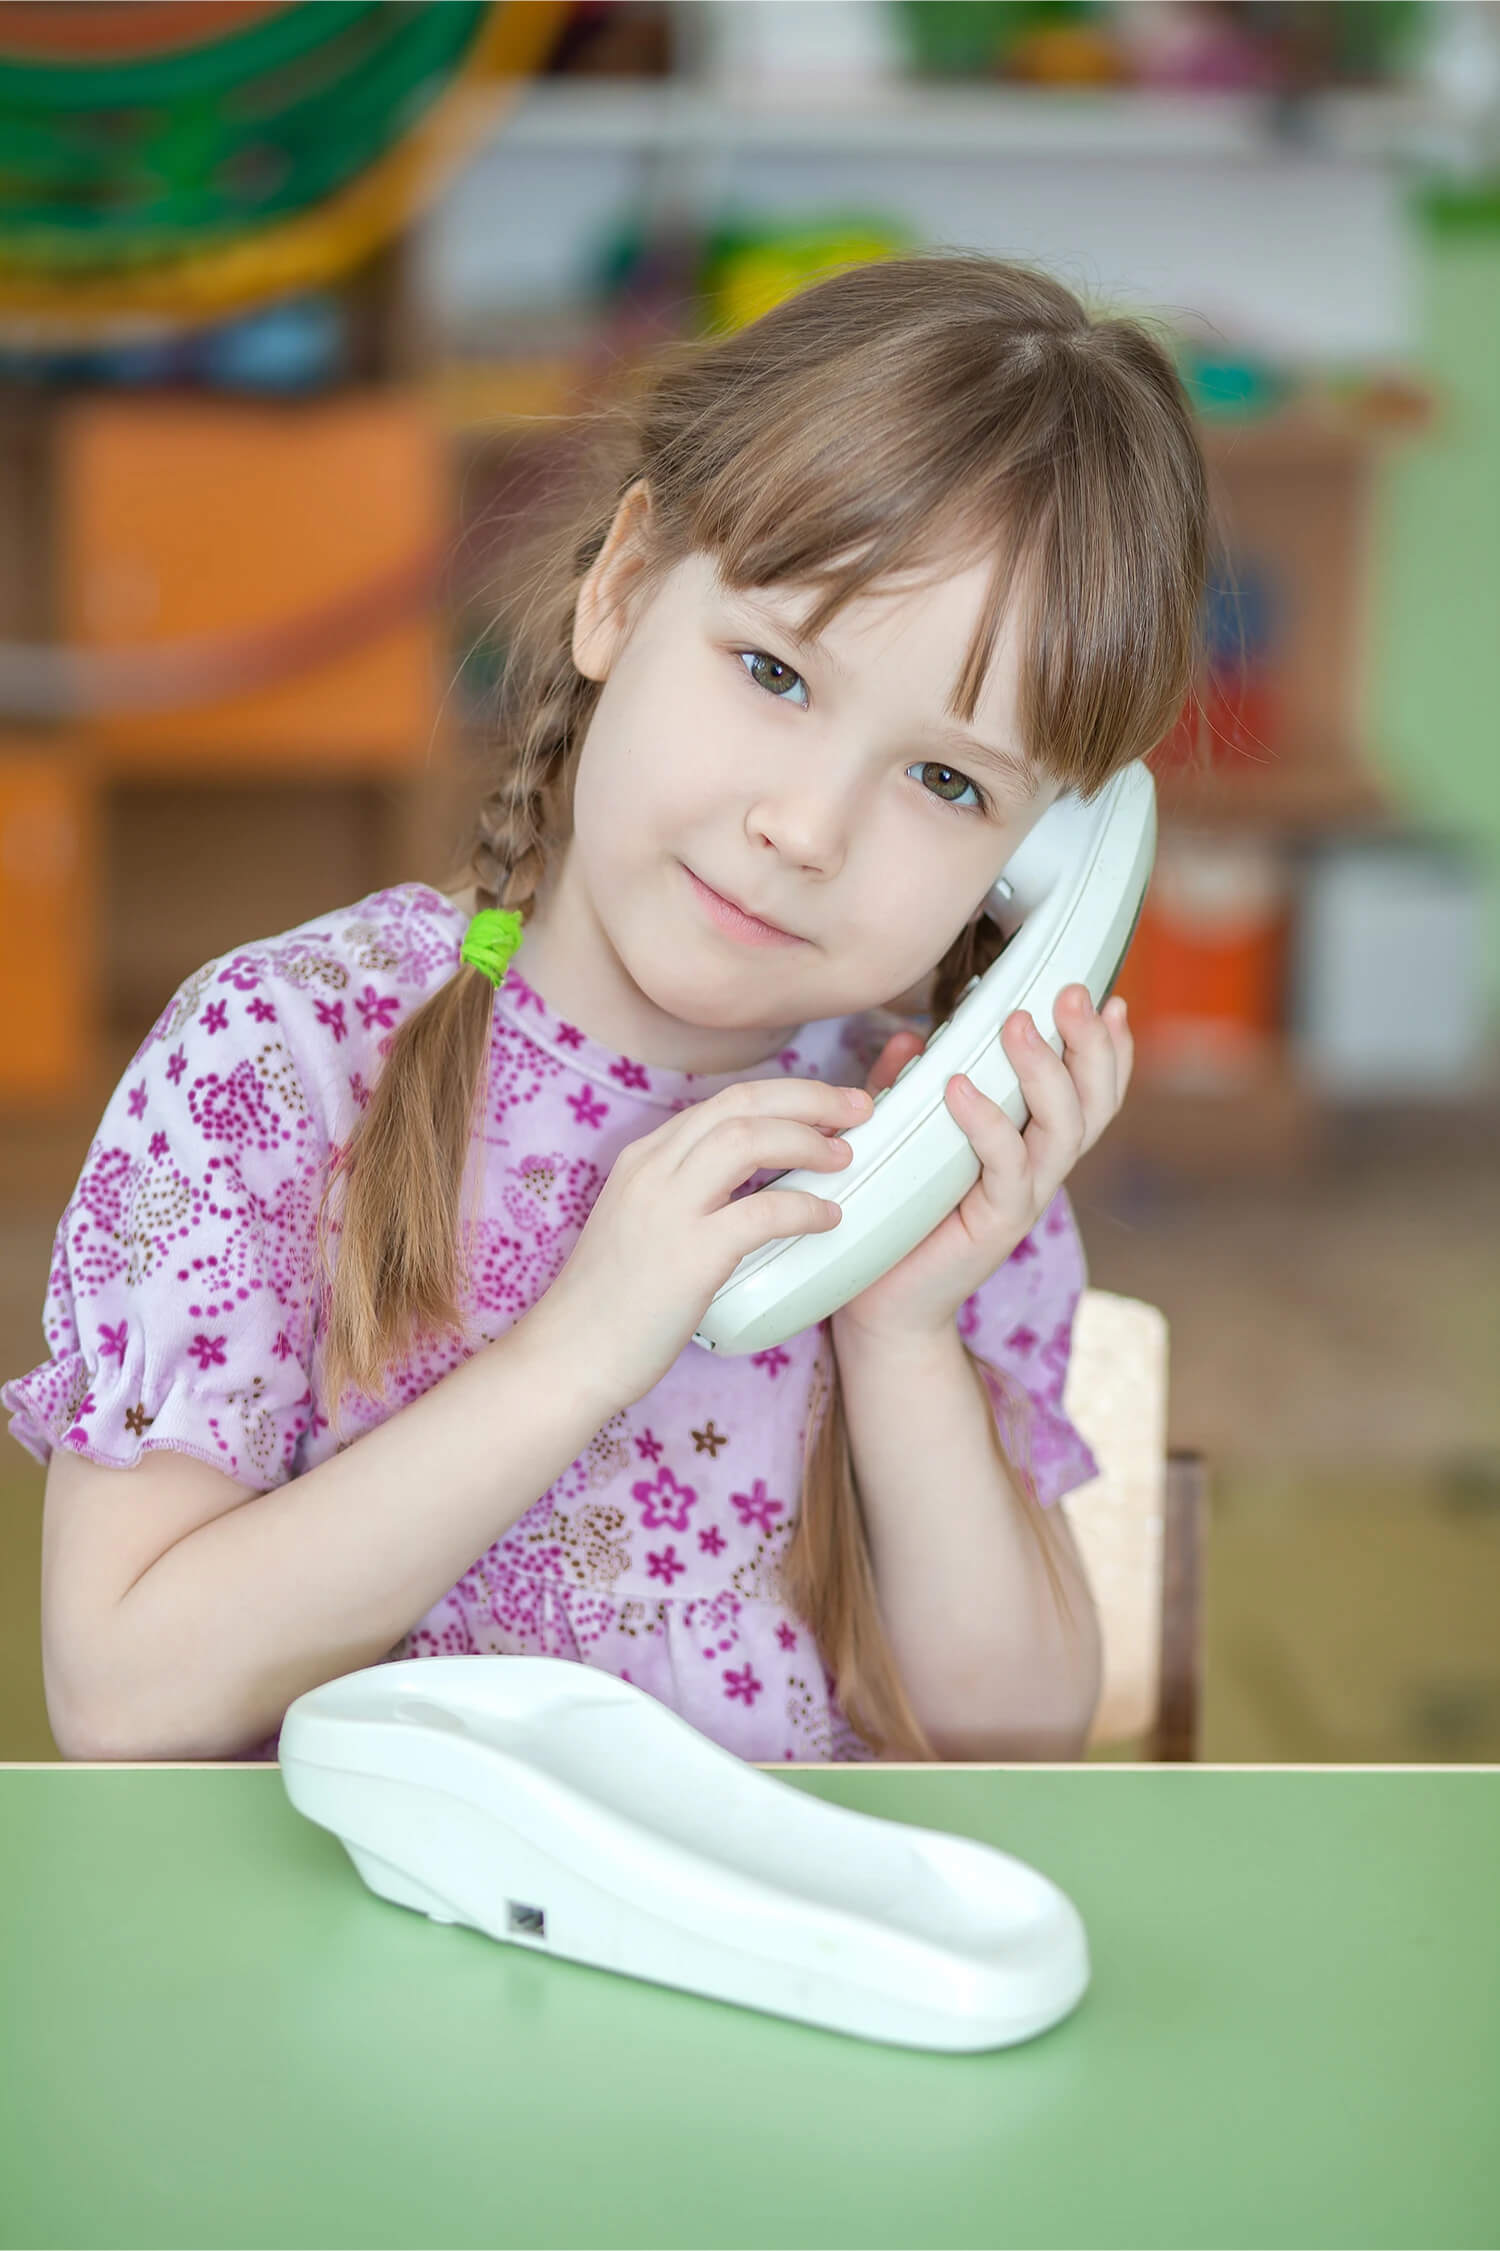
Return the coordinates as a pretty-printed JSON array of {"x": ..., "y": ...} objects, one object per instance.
[{"x": 825, "y": 789}]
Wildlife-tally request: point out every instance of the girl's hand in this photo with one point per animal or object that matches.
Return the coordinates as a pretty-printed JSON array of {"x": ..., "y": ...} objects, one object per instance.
[
  {"x": 666, "y": 1229},
  {"x": 1071, "y": 1097}
]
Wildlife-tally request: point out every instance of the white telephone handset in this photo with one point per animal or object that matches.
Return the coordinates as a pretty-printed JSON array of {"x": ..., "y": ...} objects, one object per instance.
[{"x": 1068, "y": 901}]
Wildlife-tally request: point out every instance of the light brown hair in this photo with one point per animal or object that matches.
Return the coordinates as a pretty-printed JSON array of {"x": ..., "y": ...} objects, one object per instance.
[{"x": 939, "y": 405}]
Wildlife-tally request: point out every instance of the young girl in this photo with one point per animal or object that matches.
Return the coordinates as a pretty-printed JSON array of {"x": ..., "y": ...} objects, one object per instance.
[{"x": 856, "y": 592}]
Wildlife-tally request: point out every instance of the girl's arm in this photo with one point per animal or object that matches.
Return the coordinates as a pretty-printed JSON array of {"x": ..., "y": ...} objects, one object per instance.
[
  {"x": 992, "y": 1670},
  {"x": 200, "y": 1656}
]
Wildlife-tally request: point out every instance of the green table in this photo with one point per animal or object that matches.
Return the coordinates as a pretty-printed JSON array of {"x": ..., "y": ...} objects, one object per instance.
[{"x": 213, "y": 2034}]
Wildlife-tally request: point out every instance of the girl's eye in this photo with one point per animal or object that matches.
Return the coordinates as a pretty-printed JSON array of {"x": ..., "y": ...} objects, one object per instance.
[
  {"x": 928, "y": 765},
  {"x": 931, "y": 766},
  {"x": 775, "y": 665}
]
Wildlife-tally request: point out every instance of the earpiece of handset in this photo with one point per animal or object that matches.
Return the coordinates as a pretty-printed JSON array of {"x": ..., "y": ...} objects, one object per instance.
[
  {"x": 1000, "y": 905},
  {"x": 1035, "y": 866}
]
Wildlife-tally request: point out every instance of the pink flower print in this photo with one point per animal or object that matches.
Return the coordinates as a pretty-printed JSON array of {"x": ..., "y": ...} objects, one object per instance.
[
  {"x": 359, "y": 1090},
  {"x": 1057, "y": 1218},
  {"x": 281, "y": 1348},
  {"x": 524, "y": 995},
  {"x": 159, "y": 1144},
  {"x": 968, "y": 1315},
  {"x": 113, "y": 1347},
  {"x": 1026, "y": 1248},
  {"x": 788, "y": 1059},
  {"x": 665, "y": 1565},
  {"x": 568, "y": 1035},
  {"x": 215, "y": 1016},
  {"x": 1054, "y": 1358},
  {"x": 755, "y": 1508},
  {"x": 210, "y": 1351},
  {"x": 1022, "y": 1340},
  {"x": 743, "y": 1683},
  {"x": 662, "y": 1490},
  {"x": 237, "y": 1109},
  {"x": 648, "y": 1445},
  {"x": 177, "y": 1066},
  {"x": 773, "y": 1359},
  {"x": 629, "y": 1074},
  {"x": 711, "y": 1540},
  {"x": 78, "y": 1436},
  {"x": 377, "y": 1008},
  {"x": 787, "y": 1637},
  {"x": 537, "y": 1174},
  {"x": 384, "y": 1048},
  {"x": 137, "y": 1103},
  {"x": 102, "y": 1190},
  {"x": 331, "y": 1013},
  {"x": 242, "y": 973},
  {"x": 261, "y": 1009},
  {"x": 587, "y": 1107}
]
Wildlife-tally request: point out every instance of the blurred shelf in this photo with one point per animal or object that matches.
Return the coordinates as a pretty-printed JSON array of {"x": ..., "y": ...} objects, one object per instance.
[
  {"x": 1294, "y": 791},
  {"x": 1321, "y": 426},
  {"x": 962, "y": 121},
  {"x": 482, "y": 397},
  {"x": 1265, "y": 1125}
]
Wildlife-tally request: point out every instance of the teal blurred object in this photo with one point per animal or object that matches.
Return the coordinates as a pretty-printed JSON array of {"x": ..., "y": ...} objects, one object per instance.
[{"x": 1224, "y": 385}]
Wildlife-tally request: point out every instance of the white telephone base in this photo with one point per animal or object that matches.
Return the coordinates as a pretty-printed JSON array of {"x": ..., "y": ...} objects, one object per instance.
[{"x": 557, "y": 1808}]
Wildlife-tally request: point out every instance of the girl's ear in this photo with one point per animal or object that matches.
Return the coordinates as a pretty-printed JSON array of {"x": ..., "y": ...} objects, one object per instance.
[{"x": 601, "y": 616}]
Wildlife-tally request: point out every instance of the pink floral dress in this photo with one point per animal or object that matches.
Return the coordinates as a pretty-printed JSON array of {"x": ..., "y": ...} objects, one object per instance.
[{"x": 182, "y": 1305}]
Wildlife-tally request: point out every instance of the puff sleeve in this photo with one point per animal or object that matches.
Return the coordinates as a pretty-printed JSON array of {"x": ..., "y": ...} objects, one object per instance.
[
  {"x": 179, "y": 1310},
  {"x": 1021, "y": 1322}
]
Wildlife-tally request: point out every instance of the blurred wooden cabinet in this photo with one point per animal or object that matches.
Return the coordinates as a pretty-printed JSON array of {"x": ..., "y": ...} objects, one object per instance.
[
  {"x": 49, "y": 924},
  {"x": 253, "y": 730},
  {"x": 280, "y": 564}
]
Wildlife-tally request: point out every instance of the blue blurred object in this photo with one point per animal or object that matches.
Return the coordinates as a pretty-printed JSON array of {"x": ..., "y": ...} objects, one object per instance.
[
  {"x": 1240, "y": 615},
  {"x": 298, "y": 345}
]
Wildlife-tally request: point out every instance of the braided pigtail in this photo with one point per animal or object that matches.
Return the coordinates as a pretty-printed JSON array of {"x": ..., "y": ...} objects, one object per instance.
[{"x": 402, "y": 1239}]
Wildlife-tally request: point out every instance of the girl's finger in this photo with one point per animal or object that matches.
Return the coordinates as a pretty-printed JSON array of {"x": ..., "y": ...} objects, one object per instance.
[
  {"x": 1055, "y": 1133},
  {"x": 893, "y": 1058},
  {"x": 1116, "y": 1016},
  {"x": 1092, "y": 1058}
]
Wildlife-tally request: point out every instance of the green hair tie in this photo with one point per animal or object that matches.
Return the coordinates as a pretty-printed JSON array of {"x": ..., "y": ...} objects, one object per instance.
[{"x": 490, "y": 940}]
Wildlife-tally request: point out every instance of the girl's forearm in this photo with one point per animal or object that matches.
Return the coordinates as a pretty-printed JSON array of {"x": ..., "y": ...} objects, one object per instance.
[
  {"x": 326, "y": 1574},
  {"x": 991, "y": 1668}
]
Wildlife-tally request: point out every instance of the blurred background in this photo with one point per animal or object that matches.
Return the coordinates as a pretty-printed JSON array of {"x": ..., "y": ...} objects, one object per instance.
[{"x": 297, "y": 304}]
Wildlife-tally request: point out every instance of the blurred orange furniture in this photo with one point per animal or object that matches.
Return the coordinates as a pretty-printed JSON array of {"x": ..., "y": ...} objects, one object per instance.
[
  {"x": 214, "y": 545},
  {"x": 49, "y": 927}
]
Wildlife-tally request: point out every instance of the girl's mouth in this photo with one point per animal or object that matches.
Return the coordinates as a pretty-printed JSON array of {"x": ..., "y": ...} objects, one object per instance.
[{"x": 748, "y": 929}]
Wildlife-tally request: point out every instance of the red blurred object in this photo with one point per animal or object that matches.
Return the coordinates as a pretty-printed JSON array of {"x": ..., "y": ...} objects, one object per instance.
[
  {"x": 1242, "y": 718},
  {"x": 85, "y": 31},
  {"x": 1205, "y": 975}
]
